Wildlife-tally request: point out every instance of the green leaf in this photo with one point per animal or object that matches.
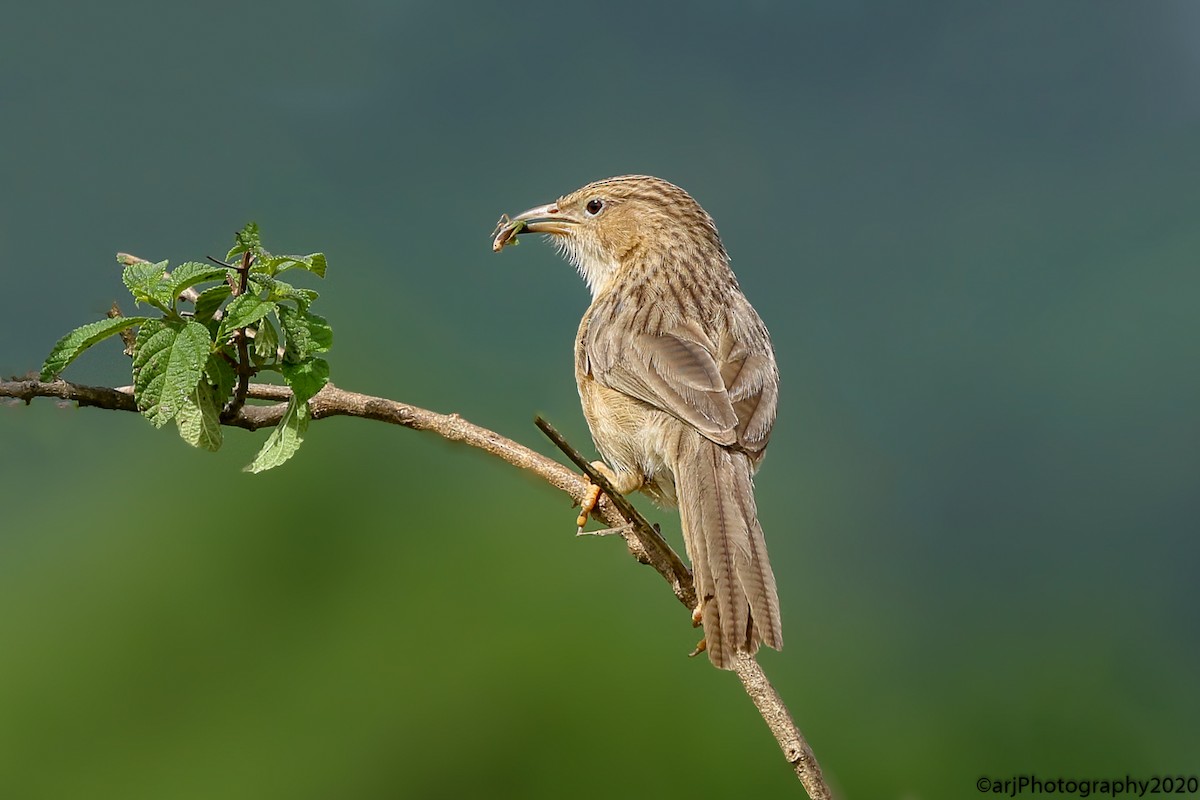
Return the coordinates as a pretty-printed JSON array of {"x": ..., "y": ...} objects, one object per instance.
[
  {"x": 191, "y": 273},
  {"x": 209, "y": 301},
  {"x": 221, "y": 375},
  {"x": 313, "y": 262},
  {"x": 70, "y": 346},
  {"x": 151, "y": 349},
  {"x": 246, "y": 239},
  {"x": 307, "y": 334},
  {"x": 139, "y": 275},
  {"x": 199, "y": 418},
  {"x": 168, "y": 360},
  {"x": 278, "y": 290},
  {"x": 284, "y": 440},
  {"x": 306, "y": 378},
  {"x": 147, "y": 283},
  {"x": 266, "y": 341},
  {"x": 302, "y": 297},
  {"x": 244, "y": 310}
]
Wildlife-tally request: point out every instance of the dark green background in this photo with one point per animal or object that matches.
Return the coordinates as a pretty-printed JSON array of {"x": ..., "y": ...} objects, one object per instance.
[{"x": 971, "y": 227}]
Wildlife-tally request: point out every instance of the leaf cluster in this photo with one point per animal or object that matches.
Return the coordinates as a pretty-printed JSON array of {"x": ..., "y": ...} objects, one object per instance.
[{"x": 213, "y": 326}]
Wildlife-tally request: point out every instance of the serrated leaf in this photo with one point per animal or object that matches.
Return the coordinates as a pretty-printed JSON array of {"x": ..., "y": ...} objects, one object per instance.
[
  {"x": 147, "y": 331},
  {"x": 70, "y": 346},
  {"x": 279, "y": 290},
  {"x": 306, "y": 378},
  {"x": 209, "y": 301},
  {"x": 313, "y": 262},
  {"x": 151, "y": 349},
  {"x": 307, "y": 334},
  {"x": 147, "y": 283},
  {"x": 246, "y": 239},
  {"x": 284, "y": 440},
  {"x": 221, "y": 375},
  {"x": 266, "y": 341},
  {"x": 317, "y": 264},
  {"x": 244, "y": 310},
  {"x": 167, "y": 363},
  {"x": 199, "y": 418},
  {"x": 137, "y": 273},
  {"x": 191, "y": 273},
  {"x": 302, "y": 297}
]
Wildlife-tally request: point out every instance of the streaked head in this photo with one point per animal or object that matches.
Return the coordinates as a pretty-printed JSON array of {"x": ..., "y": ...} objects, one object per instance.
[{"x": 613, "y": 223}]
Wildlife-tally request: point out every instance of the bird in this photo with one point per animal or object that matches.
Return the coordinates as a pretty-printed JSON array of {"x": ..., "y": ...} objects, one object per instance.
[{"x": 678, "y": 383}]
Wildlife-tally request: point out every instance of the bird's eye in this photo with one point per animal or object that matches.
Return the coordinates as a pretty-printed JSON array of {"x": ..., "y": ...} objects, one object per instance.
[{"x": 595, "y": 206}]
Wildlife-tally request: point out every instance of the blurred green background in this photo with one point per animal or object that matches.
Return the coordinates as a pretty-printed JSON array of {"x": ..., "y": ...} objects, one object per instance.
[{"x": 971, "y": 227}]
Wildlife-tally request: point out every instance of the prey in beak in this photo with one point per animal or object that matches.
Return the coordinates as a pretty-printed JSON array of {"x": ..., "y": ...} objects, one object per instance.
[{"x": 542, "y": 219}]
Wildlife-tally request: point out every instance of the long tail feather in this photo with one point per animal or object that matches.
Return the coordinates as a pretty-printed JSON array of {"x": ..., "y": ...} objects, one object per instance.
[{"x": 725, "y": 543}]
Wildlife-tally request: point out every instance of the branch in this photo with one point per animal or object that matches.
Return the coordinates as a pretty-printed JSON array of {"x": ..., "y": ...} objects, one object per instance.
[
  {"x": 241, "y": 338},
  {"x": 642, "y": 539},
  {"x": 773, "y": 711}
]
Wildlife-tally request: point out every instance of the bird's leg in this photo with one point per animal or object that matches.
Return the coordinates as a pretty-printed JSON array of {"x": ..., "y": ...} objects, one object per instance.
[
  {"x": 697, "y": 618},
  {"x": 618, "y": 531},
  {"x": 588, "y": 504},
  {"x": 622, "y": 483}
]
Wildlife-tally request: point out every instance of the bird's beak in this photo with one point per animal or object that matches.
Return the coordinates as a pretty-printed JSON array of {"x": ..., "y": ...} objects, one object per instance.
[{"x": 544, "y": 219}]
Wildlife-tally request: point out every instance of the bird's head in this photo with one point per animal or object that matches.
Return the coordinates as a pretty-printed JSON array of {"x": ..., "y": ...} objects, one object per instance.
[{"x": 618, "y": 223}]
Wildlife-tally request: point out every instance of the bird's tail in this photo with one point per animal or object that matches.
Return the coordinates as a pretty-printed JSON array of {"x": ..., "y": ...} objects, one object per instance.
[{"x": 734, "y": 582}]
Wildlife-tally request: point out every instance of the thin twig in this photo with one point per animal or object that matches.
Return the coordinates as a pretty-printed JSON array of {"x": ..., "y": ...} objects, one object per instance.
[
  {"x": 594, "y": 475},
  {"x": 332, "y": 401},
  {"x": 639, "y": 527}
]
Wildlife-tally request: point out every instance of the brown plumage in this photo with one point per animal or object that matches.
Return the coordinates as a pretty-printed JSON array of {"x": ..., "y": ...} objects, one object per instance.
[{"x": 678, "y": 383}]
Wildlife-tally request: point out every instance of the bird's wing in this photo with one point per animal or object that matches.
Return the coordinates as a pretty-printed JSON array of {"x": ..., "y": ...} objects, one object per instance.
[
  {"x": 722, "y": 388},
  {"x": 752, "y": 385}
]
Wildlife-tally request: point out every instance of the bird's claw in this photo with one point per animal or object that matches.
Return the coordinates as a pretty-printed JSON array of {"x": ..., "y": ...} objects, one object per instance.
[
  {"x": 592, "y": 496},
  {"x": 620, "y": 530},
  {"x": 586, "y": 505},
  {"x": 697, "y": 618}
]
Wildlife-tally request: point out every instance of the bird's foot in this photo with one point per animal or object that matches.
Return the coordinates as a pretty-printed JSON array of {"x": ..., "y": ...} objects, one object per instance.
[
  {"x": 697, "y": 619},
  {"x": 592, "y": 496},
  {"x": 620, "y": 530},
  {"x": 587, "y": 505}
]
